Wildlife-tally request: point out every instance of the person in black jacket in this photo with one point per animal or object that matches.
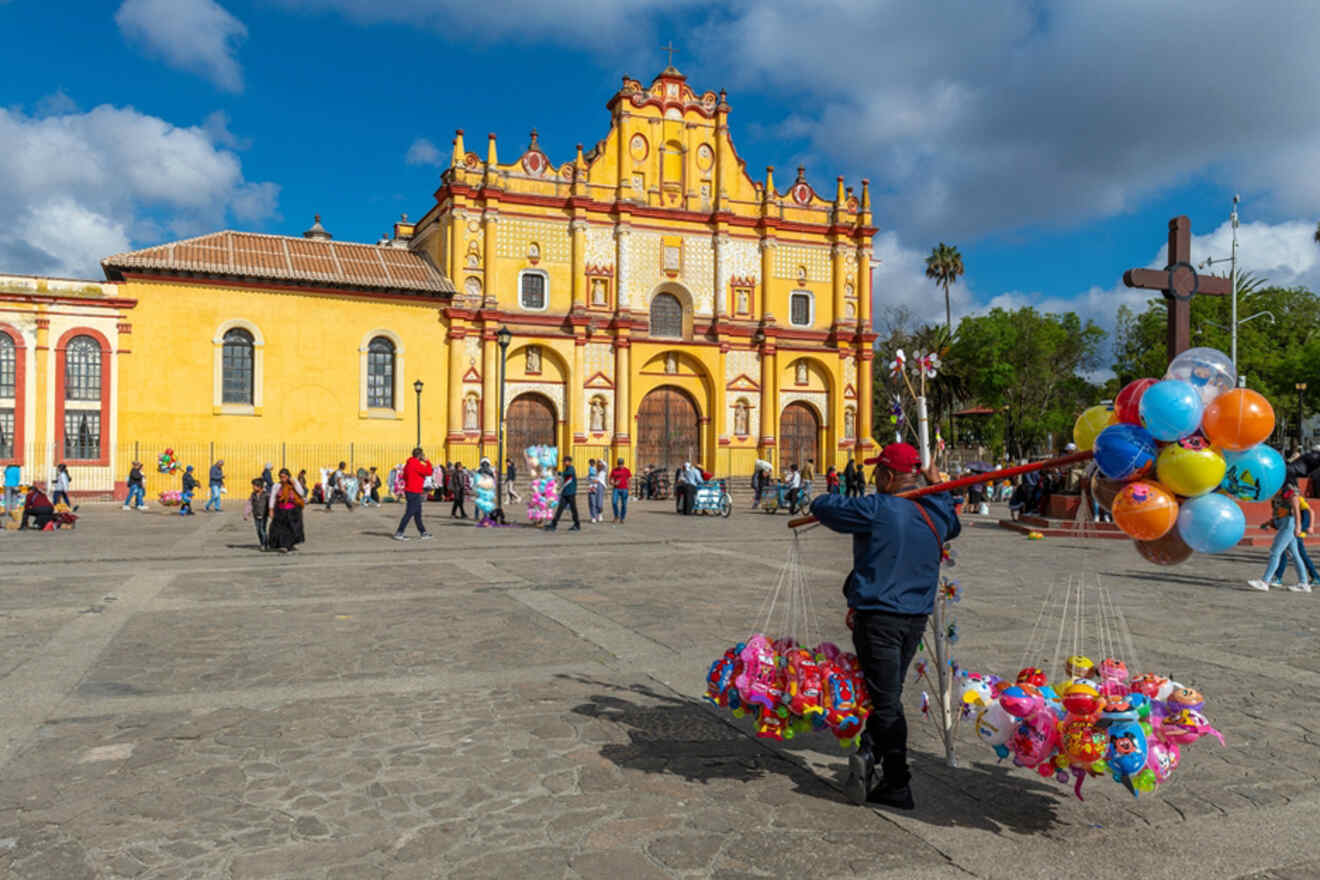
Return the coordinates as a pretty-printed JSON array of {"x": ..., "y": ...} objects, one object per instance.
[
  {"x": 190, "y": 485},
  {"x": 567, "y": 496},
  {"x": 136, "y": 489}
]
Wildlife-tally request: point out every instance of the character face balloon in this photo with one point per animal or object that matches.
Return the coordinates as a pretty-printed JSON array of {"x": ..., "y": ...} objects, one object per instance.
[
  {"x": 1021, "y": 700},
  {"x": 1164, "y": 757},
  {"x": 1113, "y": 670},
  {"x": 1034, "y": 739},
  {"x": 1032, "y": 676},
  {"x": 1185, "y": 698},
  {"x": 1127, "y": 748},
  {"x": 1082, "y": 699}
]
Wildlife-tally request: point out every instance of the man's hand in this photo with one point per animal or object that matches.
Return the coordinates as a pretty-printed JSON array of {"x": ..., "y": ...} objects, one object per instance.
[{"x": 931, "y": 473}]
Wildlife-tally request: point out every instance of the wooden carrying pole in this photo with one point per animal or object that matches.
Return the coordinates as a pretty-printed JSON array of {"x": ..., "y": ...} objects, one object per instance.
[{"x": 1002, "y": 474}]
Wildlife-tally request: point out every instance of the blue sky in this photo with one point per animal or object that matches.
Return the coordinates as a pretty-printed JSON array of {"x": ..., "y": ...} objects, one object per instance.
[{"x": 1043, "y": 140}]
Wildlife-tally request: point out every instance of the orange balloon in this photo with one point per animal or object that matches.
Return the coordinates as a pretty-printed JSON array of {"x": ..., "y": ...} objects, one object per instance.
[
  {"x": 1145, "y": 510},
  {"x": 1237, "y": 420}
]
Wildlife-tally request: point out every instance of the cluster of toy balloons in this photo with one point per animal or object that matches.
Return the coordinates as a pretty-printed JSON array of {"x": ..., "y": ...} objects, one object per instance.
[
  {"x": 1173, "y": 455},
  {"x": 543, "y": 497},
  {"x": 166, "y": 463},
  {"x": 1095, "y": 722},
  {"x": 791, "y": 689},
  {"x": 483, "y": 492}
]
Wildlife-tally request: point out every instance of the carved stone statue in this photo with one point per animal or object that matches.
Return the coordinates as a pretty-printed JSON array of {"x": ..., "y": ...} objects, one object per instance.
[
  {"x": 533, "y": 358},
  {"x": 597, "y": 292},
  {"x": 741, "y": 413},
  {"x": 597, "y": 415},
  {"x": 671, "y": 363},
  {"x": 470, "y": 414},
  {"x": 849, "y": 424},
  {"x": 801, "y": 377}
]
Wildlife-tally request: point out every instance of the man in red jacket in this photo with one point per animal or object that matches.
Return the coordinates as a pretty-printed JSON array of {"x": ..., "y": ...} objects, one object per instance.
[{"x": 415, "y": 473}]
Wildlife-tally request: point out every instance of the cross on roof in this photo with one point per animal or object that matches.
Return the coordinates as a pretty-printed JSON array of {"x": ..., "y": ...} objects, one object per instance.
[
  {"x": 669, "y": 47},
  {"x": 1178, "y": 282}
]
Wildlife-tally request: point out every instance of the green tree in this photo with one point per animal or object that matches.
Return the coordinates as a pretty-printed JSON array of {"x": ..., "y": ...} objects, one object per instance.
[{"x": 944, "y": 265}]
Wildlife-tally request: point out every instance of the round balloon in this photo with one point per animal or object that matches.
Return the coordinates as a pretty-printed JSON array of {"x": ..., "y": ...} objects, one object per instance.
[
  {"x": 1145, "y": 510},
  {"x": 1169, "y": 550},
  {"x": 1254, "y": 475},
  {"x": 1124, "y": 452},
  {"x": 1208, "y": 370},
  {"x": 1239, "y": 419},
  {"x": 1089, "y": 424},
  {"x": 1127, "y": 403},
  {"x": 1171, "y": 410},
  {"x": 1104, "y": 489},
  {"x": 1189, "y": 467},
  {"x": 1211, "y": 523}
]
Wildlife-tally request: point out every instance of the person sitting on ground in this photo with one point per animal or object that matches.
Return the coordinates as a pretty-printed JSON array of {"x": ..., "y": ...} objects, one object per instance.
[{"x": 38, "y": 507}]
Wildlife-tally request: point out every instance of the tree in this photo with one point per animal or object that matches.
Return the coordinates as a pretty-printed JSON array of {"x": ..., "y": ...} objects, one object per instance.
[{"x": 944, "y": 265}]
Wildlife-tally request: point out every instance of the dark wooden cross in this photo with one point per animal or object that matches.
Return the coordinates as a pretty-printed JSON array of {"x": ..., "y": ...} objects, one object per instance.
[
  {"x": 1178, "y": 282},
  {"x": 671, "y": 50}
]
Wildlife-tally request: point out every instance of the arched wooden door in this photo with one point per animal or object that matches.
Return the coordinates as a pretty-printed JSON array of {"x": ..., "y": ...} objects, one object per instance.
[
  {"x": 530, "y": 422},
  {"x": 799, "y": 434},
  {"x": 667, "y": 431}
]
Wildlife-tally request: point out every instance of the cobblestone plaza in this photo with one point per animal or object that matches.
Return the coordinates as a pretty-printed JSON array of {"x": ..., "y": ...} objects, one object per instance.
[{"x": 500, "y": 702}]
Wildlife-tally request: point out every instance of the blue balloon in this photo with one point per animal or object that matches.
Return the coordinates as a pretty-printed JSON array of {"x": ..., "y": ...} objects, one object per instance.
[
  {"x": 1124, "y": 452},
  {"x": 1254, "y": 475},
  {"x": 1211, "y": 523},
  {"x": 1171, "y": 410}
]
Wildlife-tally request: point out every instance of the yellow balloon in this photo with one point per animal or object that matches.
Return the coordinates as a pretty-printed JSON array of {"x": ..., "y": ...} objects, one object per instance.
[
  {"x": 1190, "y": 470},
  {"x": 1090, "y": 423}
]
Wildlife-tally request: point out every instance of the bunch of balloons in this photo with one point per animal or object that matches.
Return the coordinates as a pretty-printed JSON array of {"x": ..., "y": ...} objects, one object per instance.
[
  {"x": 166, "y": 463},
  {"x": 543, "y": 497},
  {"x": 1174, "y": 453},
  {"x": 1095, "y": 722},
  {"x": 483, "y": 490},
  {"x": 791, "y": 689}
]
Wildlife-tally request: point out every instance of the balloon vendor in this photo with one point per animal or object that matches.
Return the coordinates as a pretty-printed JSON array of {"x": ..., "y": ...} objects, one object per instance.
[{"x": 898, "y": 546}]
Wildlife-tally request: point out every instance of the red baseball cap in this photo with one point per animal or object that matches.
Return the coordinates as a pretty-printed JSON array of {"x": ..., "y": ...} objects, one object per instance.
[{"x": 901, "y": 458}]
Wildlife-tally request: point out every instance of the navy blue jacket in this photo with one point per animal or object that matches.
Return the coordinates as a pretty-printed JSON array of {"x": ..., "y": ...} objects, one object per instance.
[
  {"x": 896, "y": 557},
  {"x": 569, "y": 477}
]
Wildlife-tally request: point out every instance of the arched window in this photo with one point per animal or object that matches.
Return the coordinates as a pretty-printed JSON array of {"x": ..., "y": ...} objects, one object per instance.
[
  {"x": 8, "y": 362},
  {"x": 666, "y": 316},
  {"x": 8, "y": 394},
  {"x": 82, "y": 369},
  {"x": 380, "y": 373},
  {"x": 236, "y": 367}
]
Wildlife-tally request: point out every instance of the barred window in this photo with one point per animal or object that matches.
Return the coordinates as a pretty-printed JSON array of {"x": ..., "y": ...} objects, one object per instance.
[
  {"x": 380, "y": 373},
  {"x": 82, "y": 433},
  {"x": 666, "y": 316},
  {"x": 533, "y": 290},
  {"x": 799, "y": 308},
  {"x": 82, "y": 369},
  {"x": 6, "y": 433},
  {"x": 7, "y": 361},
  {"x": 236, "y": 367}
]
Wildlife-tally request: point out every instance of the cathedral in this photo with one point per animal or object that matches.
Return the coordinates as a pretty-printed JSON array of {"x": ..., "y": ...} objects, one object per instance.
[{"x": 661, "y": 305}]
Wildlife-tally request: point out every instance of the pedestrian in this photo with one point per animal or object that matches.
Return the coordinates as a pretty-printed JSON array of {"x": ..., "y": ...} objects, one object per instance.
[
  {"x": 257, "y": 509},
  {"x": 1288, "y": 516},
  {"x": 458, "y": 479},
  {"x": 371, "y": 488},
  {"x": 286, "y": 506},
  {"x": 190, "y": 485},
  {"x": 595, "y": 489},
  {"x": 850, "y": 478},
  {"x": 567, "y": 496},
  {"x": 832, "y": 481},
  {"x": 62, "y": 483},
  {"x": 686, "y": 480},
  {"x": 13, "y": 477},
  {"x": 215, "y": 481},
  {"x": 1312, "y": 576},
  {"x": 267, "y": 479},
  {"x": 898, "y": 545},
  {"x": 415, "y": 472},
  {"x": 38, "y": 507},
  {"x": 793, "y": 485},
  {"x": 136, "y": 488},
  {"x": 809, "y": 472},
  {"x": 510, "y": 477},
  {"x": 337, "y": 490},
  {"x": 619, "y": 478},
  {"x": 301, "y": 480}
]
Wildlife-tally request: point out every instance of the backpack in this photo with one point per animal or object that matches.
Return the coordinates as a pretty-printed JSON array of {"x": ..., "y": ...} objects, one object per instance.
[{"x": 334, "y": 479}]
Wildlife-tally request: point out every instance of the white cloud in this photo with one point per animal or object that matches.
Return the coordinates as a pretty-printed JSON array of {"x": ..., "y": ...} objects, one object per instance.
[
  {"x": 57, "y": 103},
  {"x": 79, "y": 187},
  {"x": 199, "y": 36},
  {"x": 423, "y": 152}
]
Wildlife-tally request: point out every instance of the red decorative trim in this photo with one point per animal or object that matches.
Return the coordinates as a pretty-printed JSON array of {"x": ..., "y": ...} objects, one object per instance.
[
  {"x": 603, "y": 383},
  {"x": 183, "y": 277},
  {"x": 56, "y": 299},
  {"x": 742, "y": 377},
  {"x": 106, "y": 365},
  {"x": 43, "y": 323},
  {"x": 20, "y": 397},
  {"x": 124, "y": 327},
  {"x": 457, "y": 332},
  {"x": 472, "y": 375},
  {"x": 599, "y": 271}
]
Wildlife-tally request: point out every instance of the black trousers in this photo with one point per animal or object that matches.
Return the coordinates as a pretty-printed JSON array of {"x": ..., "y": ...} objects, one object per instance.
[
  {"x": 413, "y": 512},
  {"x": 885, "y": 645},
  {"x": 338, "y": 495},
  {"x": 570, "y": 502},
  {"x": 687, "y": 496},
  {"x": 457, "y": 509}
]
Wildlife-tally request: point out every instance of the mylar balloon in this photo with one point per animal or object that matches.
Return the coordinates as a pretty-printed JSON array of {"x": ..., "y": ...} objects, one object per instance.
[
  {"x": 1123, "y": 452},
  {"x": 1208, "y": 370},
  {"x": 1145, "y": 510},
  {"x": 1189, "y": 468},
  {"x": 1239, "y": 419},
  {"x": 1169, "y": 550},
  {"x": 1211, "y": 523},
  {"x": 1089, "y": 424},
  {"x": 1128, "y": 402},
  {"x": 1254, "y": 475},
  {"x": 1104, "y": 489},
  {"x": 1171, "y": 410}
]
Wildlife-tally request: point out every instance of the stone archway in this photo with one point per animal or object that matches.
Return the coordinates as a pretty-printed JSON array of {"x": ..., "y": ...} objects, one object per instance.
[
  {"x": 530, "y": 422},
  {"x": 668, "y": 430},
  {"x": 799, "y": 435}
]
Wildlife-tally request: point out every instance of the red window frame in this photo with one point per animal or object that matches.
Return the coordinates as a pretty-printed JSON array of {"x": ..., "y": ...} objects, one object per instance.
[
  {"x": 20, "y": 366},
  {"x": 106, "y": 365}
]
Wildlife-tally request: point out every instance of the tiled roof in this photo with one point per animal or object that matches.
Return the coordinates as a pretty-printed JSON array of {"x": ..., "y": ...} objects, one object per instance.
[{"x": 255, "y": 256}]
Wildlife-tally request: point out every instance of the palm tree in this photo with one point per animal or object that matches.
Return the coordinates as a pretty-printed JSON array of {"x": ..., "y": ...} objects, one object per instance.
[
  {"x": 944, "y": 265},
  {"x": 1317, "y": 232}
]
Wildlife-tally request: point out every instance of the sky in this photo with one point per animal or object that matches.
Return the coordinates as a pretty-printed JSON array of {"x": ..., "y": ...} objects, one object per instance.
[{"x": 1049, "y": 142}]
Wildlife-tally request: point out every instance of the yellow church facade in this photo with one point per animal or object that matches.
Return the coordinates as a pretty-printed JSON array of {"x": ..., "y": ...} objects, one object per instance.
[{"x": 663, "y": 304}]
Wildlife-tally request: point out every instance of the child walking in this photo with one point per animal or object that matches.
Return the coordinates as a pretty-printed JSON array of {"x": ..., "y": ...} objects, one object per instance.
[
  {"x": 190, "y": 485},
  {"x": 258, "y": 509}
]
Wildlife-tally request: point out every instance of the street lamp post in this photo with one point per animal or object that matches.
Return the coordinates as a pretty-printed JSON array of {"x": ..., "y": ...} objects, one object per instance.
[
  {"x": 1232, "y": 283},
  {"x": 1301, "y": 389},
  {"x": 502, "y": 337},
  {"x": 417, "y": 386}
]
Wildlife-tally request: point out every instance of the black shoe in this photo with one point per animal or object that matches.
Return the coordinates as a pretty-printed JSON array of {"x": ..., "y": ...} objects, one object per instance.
[
  {"x": 576, "y": 529},
  {"x": 897, "y": 796},
  {"x": 550, "y": 528},
  {"x": 861, "y": 777}
]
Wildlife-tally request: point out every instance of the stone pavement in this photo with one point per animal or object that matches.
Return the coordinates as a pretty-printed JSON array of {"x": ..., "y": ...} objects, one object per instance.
[{"x": 503, "y": 701}]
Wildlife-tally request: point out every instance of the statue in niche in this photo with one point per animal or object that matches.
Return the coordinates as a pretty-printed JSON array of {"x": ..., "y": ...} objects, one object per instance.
[
  {"x": 741, "y": 416},
  {"x": 671, "y": 363},
  {"x": 801, "y": 377},
  {"x": 533, "y": 251},
  {"x": 849, "y": 424},
  {"x": 743, "y": 304},
  {"x": 597, "y": 414},
  {"x": 597, "y": 292},
  {"x": 470, "y": 414},
  {"x": 533, "y": 359}
]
